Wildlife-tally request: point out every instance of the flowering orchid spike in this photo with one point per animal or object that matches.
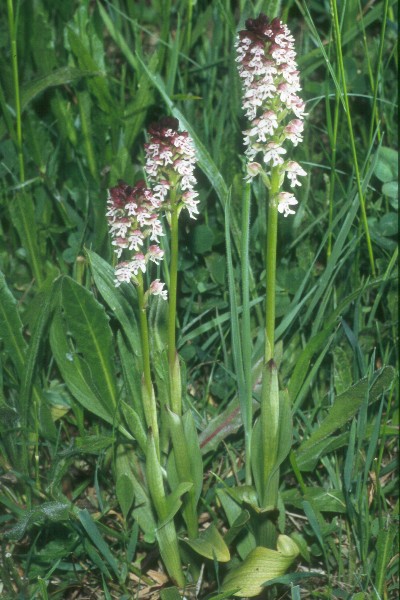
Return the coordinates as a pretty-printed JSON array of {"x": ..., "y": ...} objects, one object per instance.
[
  {"x": 170, "y": 162},
  {"x": 132, "y": 214},
  {"x": 270, "y": 80}
]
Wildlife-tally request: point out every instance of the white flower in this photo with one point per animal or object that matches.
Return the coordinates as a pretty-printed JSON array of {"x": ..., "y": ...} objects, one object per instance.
[
  {"x": 155, "y": 254},
  {"x": 123, "y": 273},
  {"x": 120, "y": 243},
  {"x": 273, "y": 153},
  {"x": 135, "y": 240},
  {"x": 293, "y": 131},
  {"x": 188, "y": 199},
  {"x": 285, "y": 201},
  {"x": 138, "y": 263},
  {"x": 294, "y": 170},
  {"x": 156, "y": 289},
  {"x": 253, "y": 169}
]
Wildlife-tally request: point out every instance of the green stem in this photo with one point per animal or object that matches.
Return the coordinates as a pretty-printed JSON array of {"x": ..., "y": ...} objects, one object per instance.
[
  {"x": 333, "y": 165},
  {"x": 173, "y": 273},
  {"x": 14, "y": 62},
  {"x": 149, "y": 402},
  {"x": 270, "y": 265},
  {"x": 246, "y": 328},
  {"x": 374, "y": 111},
  {"x": 351, "y": 135}
]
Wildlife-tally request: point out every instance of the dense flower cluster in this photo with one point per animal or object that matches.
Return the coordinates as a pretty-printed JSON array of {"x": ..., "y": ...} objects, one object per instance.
[
  {"x": 270, "y": 79},
  {"x": 170, "y": 162},
  {"x": 132, "y": 214}
]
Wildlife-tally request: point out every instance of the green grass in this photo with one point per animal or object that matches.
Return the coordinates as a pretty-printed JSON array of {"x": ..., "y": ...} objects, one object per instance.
[{"x": 79, "y": 84}]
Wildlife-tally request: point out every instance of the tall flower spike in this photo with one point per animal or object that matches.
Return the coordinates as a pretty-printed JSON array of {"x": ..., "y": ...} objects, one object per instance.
[
  {"x": 132, "y": 214},
  {"x": 270, "y": 80},
  {"x": 170, "y": 162}
]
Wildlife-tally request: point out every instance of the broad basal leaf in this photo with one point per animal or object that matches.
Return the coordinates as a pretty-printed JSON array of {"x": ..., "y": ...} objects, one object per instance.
[{"x": 261, "y": 565}]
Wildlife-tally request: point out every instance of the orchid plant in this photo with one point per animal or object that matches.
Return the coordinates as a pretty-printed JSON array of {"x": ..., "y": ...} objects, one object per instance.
[
  {"x": 121, "y": 469},
  {"x": 139, "y": 216}
]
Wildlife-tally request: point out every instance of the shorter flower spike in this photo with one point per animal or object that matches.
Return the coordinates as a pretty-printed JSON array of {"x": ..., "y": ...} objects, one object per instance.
[
  {"x": 132, "y": 214},
  {"x": 270, "y": 79}
]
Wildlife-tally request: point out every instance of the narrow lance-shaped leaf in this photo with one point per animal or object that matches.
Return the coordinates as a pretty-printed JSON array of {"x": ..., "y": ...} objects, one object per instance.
[
  {"x": 183, "y": 468},
  {"x": 11, "y": 327},
  {"x": 37, "y": 336},
  {"x": 90, "y": 328},
  {"x": 136, "y": 496},
  {"x": 23, "y": 218},
  {"x": 120, "y": 301},
  {"x": 346, "y": 405}
]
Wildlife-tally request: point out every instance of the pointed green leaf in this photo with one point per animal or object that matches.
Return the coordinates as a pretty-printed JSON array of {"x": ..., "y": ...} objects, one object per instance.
[
  {"x": 57, "y": 77},
  {"x": 233, "y": 510},
  {"x": 48, "y": 303},
  {"x": 155, "y": 479},
  {"x": 174, "y": 500},
  {"x": 303, "y": 361},
  {"x": 22, "y": 211},
  {"x": 121, "y": 300},
  {"x": 195, "y": 457},
  {"x": 134, "y": 424},
  {"x": 210, "y": 544},
  {"x": 324, "y": 500},
  {"x": 141, "y": 511},
  {"x": 345, "y": 407},
  {"x": 237, "y": 526},
  {"x": 54, "y": 512},
  {"x": 169, "y": 550},
  {"x": 269, "y": 490},
  {"x": 94, "y": 534},
  {"x": 226, "y": 423},
  {"x": 97, "y": 85},
  {"x": 125, "y": 493},
  {"x": 181, "y": 454},
  {"x": 74, "y": 373},
  {"x": 11, "y": 327},
  {"x": 89, "y": 326},
  {"x": 132, "y": 369},
  {"x": 385, "y": 550}
]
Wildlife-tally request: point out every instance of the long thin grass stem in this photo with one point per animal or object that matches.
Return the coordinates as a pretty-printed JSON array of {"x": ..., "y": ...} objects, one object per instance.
[
  {"x": 333, "y": 166},
  {"x": 338, "y": 38},
  {"x": 14, "y": 64},
  {"x": 374, "y": 111}
]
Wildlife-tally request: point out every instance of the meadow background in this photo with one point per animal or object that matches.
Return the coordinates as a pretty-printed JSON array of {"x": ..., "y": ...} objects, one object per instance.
[{"x": 79, "y": 84}]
